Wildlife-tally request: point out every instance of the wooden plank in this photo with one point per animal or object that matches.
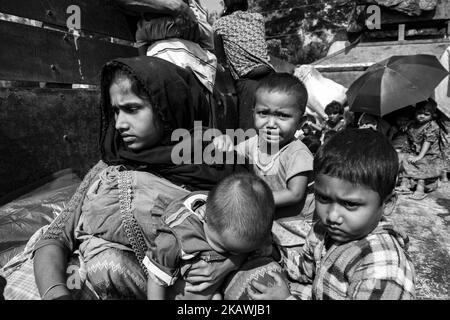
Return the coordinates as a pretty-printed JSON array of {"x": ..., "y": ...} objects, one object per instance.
[
  {"x": 374, "y": 52},
  {"x": 44, "y": 131},
  {"x": 36, "y": 54},
  {"x": 97, "y": 16}
]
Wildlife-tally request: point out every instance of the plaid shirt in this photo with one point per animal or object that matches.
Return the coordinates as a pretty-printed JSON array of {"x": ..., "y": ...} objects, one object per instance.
[
  {"x": 375, "y": 267},
  {"x": 243, "y": 35}
]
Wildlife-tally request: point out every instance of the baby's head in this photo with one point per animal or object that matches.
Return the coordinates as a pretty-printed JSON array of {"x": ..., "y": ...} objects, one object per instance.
[
  {"x": 334, "y": 109},
  {"x": 239, "y": 214},
  {"x": 280, "y": 101},
  {"x": 135, "y": 118},
  {"x": 355, "y": 175}
]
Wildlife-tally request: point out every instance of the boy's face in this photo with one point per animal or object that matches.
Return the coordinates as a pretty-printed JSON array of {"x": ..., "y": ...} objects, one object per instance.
[
  {"x": 226, "y": 242},
  {"x": 348, "y": 211},
  {"x": 333, "y": 116},
  {"x": 276, "y": 116},
  {"x": 134, "y": 117}
]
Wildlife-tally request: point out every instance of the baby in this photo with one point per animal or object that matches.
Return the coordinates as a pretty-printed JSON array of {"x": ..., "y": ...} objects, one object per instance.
[{"x": 234, "y": 219}]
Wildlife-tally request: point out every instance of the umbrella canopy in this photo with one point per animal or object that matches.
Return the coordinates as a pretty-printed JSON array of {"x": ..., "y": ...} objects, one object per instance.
[{"x": 394, "y": 83}]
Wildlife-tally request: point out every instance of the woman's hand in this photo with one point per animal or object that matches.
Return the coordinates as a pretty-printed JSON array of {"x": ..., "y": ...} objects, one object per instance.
[
  {"x": 279, "y": 291},
  {"x": 202, "y": 275},
  {"x": 223, "y": 143}
]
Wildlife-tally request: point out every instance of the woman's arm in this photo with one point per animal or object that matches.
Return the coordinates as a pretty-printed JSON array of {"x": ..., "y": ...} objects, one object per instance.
[
  {"x": 294, "y": 193},
  {"x": 155, "y": 291},
  {"x": 50, "y": 264}
]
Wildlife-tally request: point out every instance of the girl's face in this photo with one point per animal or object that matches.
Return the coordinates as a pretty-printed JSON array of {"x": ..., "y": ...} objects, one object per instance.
[
  {"x": 276, "y": 117},
  {"x": 135, "y": 120},
  {"x": 423, "y": 116}
]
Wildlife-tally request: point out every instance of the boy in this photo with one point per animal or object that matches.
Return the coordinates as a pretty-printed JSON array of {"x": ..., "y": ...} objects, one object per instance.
[
  {"x": 352, "y": 252},
  {"x": 234, "y": 219}
]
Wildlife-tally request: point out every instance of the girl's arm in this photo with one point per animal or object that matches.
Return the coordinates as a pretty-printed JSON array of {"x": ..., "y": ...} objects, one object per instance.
[
  {"x": 50, "y": 263},
  {"x": 425, "y": 147},
  {"x": 294, "y": 193},
  {"x": 155, "y": 291},
  {"x": 315, "y": 126}
]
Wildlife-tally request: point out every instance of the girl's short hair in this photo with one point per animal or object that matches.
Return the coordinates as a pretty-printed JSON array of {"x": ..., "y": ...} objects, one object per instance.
[{"x": 362, "y": 157}]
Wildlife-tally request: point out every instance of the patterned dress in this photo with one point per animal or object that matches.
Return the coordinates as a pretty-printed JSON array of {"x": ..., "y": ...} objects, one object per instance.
[{"x": 431, "y": 165}]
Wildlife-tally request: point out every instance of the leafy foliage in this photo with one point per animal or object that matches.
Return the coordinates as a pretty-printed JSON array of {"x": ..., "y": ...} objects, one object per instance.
[{"x": 302, "y": 31}]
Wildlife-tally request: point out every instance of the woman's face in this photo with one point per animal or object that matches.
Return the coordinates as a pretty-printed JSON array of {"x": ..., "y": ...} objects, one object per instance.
[{"x": 135, "y": 120}]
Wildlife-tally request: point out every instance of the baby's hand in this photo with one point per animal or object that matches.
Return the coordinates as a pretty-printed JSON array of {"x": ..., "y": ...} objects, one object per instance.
[
  {"x": 279, "y": 291},
  {"x": 223, "y": 143}
]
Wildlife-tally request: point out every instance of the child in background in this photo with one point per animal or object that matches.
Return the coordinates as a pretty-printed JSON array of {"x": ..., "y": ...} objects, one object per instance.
[
  {"x": 234, "y": 219},
  {"x": 421, "y": 157},
  {"x": 277, "y": 157},
  {"x": 335, "y": 112},
  {"x": 352, "y": 252},
  {"x": 243, "y": 35}
]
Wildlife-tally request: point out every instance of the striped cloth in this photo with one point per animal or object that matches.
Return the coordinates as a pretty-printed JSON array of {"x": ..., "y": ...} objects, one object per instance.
[
  {"x": 243, "y": 35},
  {"x": 376, "y": 267}
]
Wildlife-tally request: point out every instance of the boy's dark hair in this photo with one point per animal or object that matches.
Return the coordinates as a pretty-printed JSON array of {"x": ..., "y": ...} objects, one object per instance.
[
  {"x": 244, "y": 204},
  {"x": 360, "y": 156},
  {"x": 235, "y": 5},
  {"x": 334, "y": 107},
  {"x": 287, "y": 83}
]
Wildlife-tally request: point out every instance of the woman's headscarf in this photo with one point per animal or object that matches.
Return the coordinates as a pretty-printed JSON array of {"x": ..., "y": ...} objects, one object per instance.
[{"x": 179, "y": 100}]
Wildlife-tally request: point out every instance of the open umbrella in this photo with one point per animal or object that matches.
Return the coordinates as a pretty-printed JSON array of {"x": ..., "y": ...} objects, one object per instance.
[{"x": 394, "y": 83}]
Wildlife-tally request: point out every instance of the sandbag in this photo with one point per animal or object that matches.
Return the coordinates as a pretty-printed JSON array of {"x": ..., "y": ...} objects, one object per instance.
[{"x": 321, "y": 90}]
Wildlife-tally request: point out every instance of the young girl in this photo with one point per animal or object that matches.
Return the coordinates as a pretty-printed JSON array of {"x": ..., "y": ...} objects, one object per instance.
[{"x": 421, "y": 157}]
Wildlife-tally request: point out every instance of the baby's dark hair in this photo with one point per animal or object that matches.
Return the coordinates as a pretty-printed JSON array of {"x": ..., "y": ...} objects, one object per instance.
[
  {"x": 287, "y": 83},
  {"x": 334, "y": 107},
  {"x": 362, "y": 157},
  {"x": 235, "y": 5},
  {"x": 244, "y": 204},
  {"x": 428, "y": 105}
]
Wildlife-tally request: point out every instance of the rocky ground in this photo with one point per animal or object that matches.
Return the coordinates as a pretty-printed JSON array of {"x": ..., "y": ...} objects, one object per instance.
[{"x": 427, "y": 223}]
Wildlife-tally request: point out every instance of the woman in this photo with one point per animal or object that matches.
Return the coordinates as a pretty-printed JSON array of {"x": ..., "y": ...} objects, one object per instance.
[{"x": 100, "y": 238}]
